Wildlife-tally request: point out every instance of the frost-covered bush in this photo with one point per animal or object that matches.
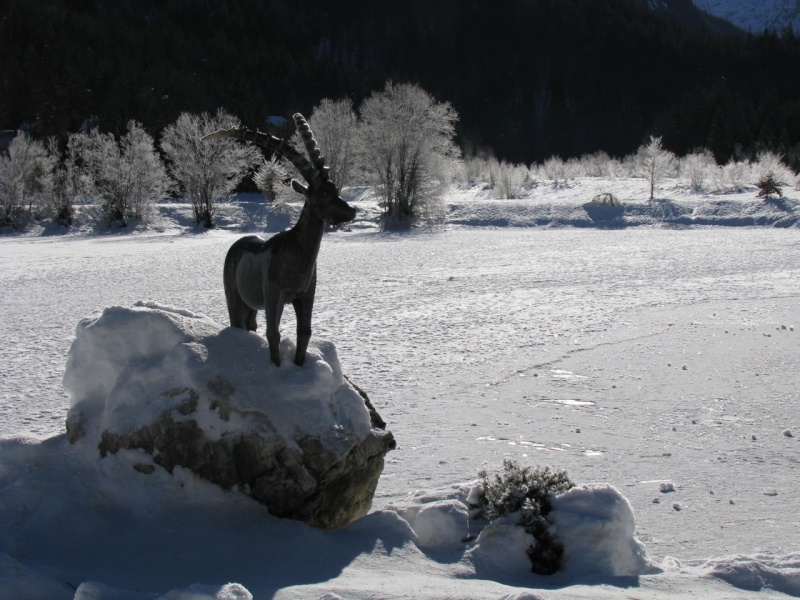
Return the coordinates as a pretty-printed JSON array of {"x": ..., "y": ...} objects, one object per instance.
[
  {"x": 732, "y": 177},
  {"x": 696, "y": 168},
  {"x": 509, "y": 180},
  {"x": 526, "y": 492},
  {"x": 126, "y": 177},
  {"x": 598, "y": 164},
  {"x": 478, "y": 170},
  {"x": 555, "y": 170},
  {"x": 69, "y": 181},
  {"x": 25, "y": 180}
]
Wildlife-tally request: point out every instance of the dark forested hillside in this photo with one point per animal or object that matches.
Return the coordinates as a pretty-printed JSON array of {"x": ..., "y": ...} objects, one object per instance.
[{"x": 529, "y": 78}]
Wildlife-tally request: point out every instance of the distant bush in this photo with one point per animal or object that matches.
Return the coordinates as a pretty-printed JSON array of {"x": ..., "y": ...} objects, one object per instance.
[
  {"x": 732, "y": 177},
  {"x": 557, "y": 171},
  {"x": 510, "y": 179},
  {"x": 526, "y": 491},
  {"x": 696, "y": 168}
]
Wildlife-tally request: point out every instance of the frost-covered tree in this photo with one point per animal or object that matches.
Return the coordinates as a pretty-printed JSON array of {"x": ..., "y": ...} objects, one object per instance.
[
  {"x": 654, "y": 163},
  {"x": 25, "y": 180},
  {"x": 407, "y": 141},
  {"x": 126, "y": 177},
  {"x": 69, "y": 182},
  {"x": 271, "y": 178},
  {"x": 335, "y": 127},
  {"x": 206, "y": 172}
]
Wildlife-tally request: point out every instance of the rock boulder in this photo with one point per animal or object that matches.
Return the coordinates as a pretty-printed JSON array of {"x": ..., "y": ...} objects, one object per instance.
[{"x": 185, "y": 391}]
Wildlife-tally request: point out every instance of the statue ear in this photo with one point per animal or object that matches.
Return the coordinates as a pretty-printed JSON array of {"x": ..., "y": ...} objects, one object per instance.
[{"x": 299, "y": 187}]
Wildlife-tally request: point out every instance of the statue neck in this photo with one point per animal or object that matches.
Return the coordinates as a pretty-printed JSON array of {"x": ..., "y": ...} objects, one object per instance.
[{"x": 309, "y": 230}]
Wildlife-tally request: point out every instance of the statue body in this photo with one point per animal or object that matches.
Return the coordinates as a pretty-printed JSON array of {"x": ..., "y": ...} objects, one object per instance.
[{"x": 268, "y": 274}]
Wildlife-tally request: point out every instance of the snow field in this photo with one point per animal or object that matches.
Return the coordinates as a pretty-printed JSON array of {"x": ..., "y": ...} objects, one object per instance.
[{"x": 639, "y": 358}]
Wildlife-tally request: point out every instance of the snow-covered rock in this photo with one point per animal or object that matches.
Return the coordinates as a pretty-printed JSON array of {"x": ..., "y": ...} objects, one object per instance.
[{"x": 188, "y": 392}]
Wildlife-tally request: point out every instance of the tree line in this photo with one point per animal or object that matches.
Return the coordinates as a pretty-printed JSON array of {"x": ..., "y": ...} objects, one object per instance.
[
  {"x": 403, "y": 142},
  {"x": 530, "y": 79},
  {"x": 400, "y": 140}
]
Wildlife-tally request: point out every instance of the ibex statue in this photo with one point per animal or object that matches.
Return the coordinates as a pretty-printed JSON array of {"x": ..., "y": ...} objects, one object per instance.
[{"x": 264, "y": 274}]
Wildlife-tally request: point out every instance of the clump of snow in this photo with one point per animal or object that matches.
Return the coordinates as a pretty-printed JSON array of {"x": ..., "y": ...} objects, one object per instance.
[
  {"x": 127, "y": 366},
  {"x": 441, "y": 524},
  {"x": 595, "y": 524},
  {"x": 503, "y": 545}
]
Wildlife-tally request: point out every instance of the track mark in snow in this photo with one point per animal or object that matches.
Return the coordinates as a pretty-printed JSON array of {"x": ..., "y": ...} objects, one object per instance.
[{"x": 566, "y": 375}]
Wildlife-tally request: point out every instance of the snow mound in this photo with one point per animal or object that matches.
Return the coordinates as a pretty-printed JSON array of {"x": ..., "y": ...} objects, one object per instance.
[
  {"x": 757, "y": 573},
  {"x": 123, "y": 360},
  {"x": 597, "y": 527}
]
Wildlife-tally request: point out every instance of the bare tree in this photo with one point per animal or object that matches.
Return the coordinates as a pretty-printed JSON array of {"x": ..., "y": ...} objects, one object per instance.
[
  {"x": 125, "y": 177},
  {"x": 336, "y": 127},
  {"x": 407, "y": 139},
  {"x": 25, "y": 180},
  {"x": 654, "y": 163},
  {"x": 206, "y": 172}
]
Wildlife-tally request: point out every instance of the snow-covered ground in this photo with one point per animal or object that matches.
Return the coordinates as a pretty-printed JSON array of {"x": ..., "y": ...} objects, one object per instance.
[{"x": 647, "y": 353}]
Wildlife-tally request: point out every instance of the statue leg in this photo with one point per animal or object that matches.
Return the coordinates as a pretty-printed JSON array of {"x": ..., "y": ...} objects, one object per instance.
[
  {"x": 274, "y": 312},
  {"x": 303, "y": 307}
]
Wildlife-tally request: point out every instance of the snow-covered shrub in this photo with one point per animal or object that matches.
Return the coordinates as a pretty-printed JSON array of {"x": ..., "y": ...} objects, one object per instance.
[
  {"x": 126, "y": 177},
  {"x": 25, "y": 180},
  {"x": 526, "y": 492},
  {"x": 695, "y": 169}
]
